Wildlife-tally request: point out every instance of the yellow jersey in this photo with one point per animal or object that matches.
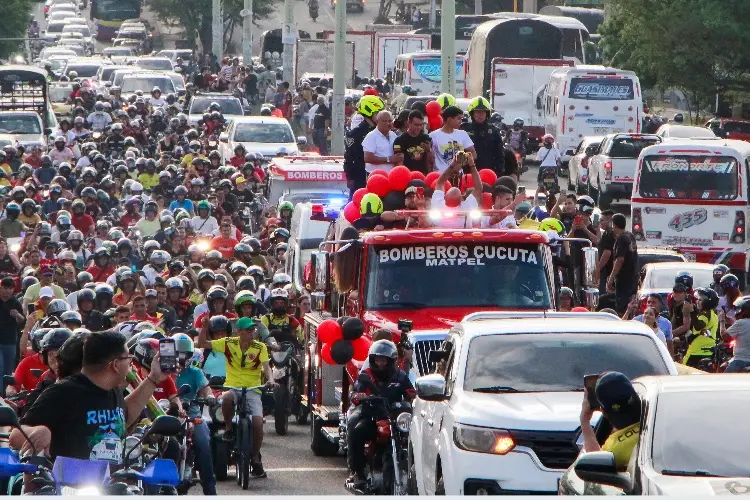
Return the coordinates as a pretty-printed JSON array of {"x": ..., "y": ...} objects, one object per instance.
[
  {"x": 701, "y": 341},
  {"x": 244, "y": 369},
  {"x": 529, "y": 224},
  {"x": 621, "y": 445},
  {"x": 148, "y": 181}
]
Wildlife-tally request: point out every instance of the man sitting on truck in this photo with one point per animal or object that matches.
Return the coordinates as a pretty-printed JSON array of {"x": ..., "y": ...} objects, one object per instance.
[{"x": 382, "y": 378}]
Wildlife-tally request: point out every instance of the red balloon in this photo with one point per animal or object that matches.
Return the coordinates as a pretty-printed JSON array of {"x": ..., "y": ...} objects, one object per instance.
[
  {"x": 433, "y": 109},
  {"x": 378, "y": 171},
  {"x": 431, "y": 178},
  {"x": 579, "y": 309},
  {"x": 351, "y": 212},
  {"x": 435, "y": 122},
  {"x": 325, "y": 353},
  {"x": 416, "y": 174},
  {"x": 329, "y": 331},
  {"x": 488, "y": 176},
  {"x": 487, "y": 201},
  {"x": 467, "y": 181},
  {"x": 361, "y": 348},
  {"x": 399, "y": 178},
  {"x": 358, "y": 195},
  {"x": 379, "y": 185}
]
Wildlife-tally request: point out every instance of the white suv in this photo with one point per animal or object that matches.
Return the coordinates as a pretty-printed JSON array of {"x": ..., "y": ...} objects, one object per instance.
[{"x": 501, "y": 415}]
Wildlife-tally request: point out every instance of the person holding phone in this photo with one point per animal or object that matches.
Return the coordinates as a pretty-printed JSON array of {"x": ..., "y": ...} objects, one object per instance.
[{"x": 621, "y": 406}]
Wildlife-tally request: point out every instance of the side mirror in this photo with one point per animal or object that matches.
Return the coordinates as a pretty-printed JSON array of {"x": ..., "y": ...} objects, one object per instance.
[
  {"x": 184, "y": 389},
  {"x": 8, "y": 417},
  {"x": 224, "y": 137},
  {"x": 431, "y": 387},
  {"x": 108, "y": 84},
  {"x": 600, "y": 467},
  {"x": 47, "y": 131},
  {"x": 301, "y": 140},
  {"x": 181, "y": 92},
  {"x": 166, "y": 425},
  {"x": 320, "y": 270}
]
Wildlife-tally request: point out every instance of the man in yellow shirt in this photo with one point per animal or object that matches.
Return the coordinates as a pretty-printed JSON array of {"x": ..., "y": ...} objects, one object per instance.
[
  {"x": 149, "y": 178},
  {"x": 246, "y": 358},
  {"x": 621, "y": 406}
]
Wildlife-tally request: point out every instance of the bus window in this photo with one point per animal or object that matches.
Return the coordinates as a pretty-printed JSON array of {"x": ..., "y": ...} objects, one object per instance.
[
  {"x": 602, "y": 89},
  {"x": 689, "y": 177}
]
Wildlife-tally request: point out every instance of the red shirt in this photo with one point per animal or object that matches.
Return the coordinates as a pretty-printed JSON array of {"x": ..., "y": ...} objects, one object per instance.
[
  {"x": 25, "y": 381},
  {"x": 199, "y": 320},
  {"x": 100, "y": 273},
  {"x": 225, "y": 246},
  {"x": 129, "y": 220},
  {"x": 148, "y": 318},
  {"x": 237, "y": 161},
  {"x": 260, "y": 173},
  {"x": 165, "y": 390},
  {"x": 84, "y": 223}
]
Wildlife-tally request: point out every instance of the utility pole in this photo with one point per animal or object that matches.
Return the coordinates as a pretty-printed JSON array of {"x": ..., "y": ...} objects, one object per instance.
[
  {"x": 448, "y": 47},
  {"x": 217, "y": 29},
  {"x": 433, "y": 14},
  {"x": 339, "y": 80},
  {"x": 247, "y": 33},
  {"x": 290, "y": 40}
]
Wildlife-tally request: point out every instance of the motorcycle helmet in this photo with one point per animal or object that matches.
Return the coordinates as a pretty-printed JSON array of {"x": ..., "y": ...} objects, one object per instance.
[
  {"x": 56, "y": 307},
  {"x": 145, "y": 350},
  {"x": 684, "y": 278},
  {"x": 707, "y": 296},
  {"x": 219, "y": 324},
  {"x": 53, "y": 340},
  {"x": 719, "y": 271},
  {"x": 73, "y": 317},
  {"x": 730, "y": 282},
  {"x": 242, "y": 298},
  {"x": 383, "y": 350},
  {"x": 246, "y": 283}
]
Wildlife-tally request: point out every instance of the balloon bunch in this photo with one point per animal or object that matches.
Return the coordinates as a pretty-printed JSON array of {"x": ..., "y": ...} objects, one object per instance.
[
  {"x": 343, "y": 340},
  {"x": 388, "y": 186},
  {"x": 434, "y": 120}
]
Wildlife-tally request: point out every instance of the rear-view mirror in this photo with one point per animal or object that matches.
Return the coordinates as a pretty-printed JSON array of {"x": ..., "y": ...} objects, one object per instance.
[
  {"x": 431, "y": 387},
  {"x": 320, "y": 267},
  {"x": 224, "y": 137},
  {"x": 302, "y": 140},
  {"x": 600, "y": 467}
]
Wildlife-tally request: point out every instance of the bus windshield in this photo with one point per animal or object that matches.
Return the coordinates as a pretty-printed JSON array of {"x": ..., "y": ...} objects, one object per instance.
[
  {"x": 689, "y": 177},
  {"x": 115, "y": 10},
  {"x": 601, "y": 89},
  {"x": 457, "y": 275}
]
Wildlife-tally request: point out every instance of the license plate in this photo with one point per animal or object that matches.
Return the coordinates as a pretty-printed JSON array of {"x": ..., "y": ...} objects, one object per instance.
[
  {"x": 601, "y": 130},
  {"x": 549, "y": 180}
]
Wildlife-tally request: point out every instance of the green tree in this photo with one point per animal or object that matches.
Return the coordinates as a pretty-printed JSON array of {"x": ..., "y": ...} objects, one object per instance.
[
  {"x": 16, "y": 18},
  {"x": 701, "y": 47},
  {"x": 195, "y": 16}
]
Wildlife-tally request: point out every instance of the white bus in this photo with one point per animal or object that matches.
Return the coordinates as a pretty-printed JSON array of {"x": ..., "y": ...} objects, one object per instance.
[
  {"x": 590, "y": 100},
  {"x": 422, "y": 72}
]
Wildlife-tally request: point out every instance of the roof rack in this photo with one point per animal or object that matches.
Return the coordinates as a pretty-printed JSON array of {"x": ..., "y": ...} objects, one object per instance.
[{"x": 485, "y": 315}]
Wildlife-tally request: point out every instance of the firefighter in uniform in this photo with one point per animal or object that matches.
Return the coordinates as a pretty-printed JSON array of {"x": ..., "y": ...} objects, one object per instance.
[{"x": 354, "y": 158}]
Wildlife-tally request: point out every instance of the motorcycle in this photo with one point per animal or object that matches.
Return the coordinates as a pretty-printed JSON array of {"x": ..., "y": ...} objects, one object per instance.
[
  {"x": 548, "y": 179},
  {"x": 313, "y": 7},
  {"x": 387, "y": 454},
  {"x": 186, "y": 467},
  {"x": 286, "y": 370}
]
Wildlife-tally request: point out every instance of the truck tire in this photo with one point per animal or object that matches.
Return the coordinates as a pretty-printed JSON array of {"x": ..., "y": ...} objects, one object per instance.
[{"x": 321, "y": 447}]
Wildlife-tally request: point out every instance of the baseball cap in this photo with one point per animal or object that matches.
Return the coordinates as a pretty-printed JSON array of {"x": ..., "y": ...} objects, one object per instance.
[
  {"x": 46, "y": 292},
  {"x": 679, "y": 288},
  {"x": 524, "y": 208},
  {"x": 239, "y": 180},
  {"x": 8, "y": 282},
  {"x": 245, "y": 323},
  {"x": 151, "y": 293},
  {"x": 411, "y": 190},
  {"x": 618, "y": 399}
]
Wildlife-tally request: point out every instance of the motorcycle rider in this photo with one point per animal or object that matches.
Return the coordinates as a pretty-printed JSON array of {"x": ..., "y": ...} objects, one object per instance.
[
  {"x": 548, "y": 156},
  {"x": 730, "y": 285},
  {"x": 199, "y": 388},
  {"x": 518, "y": 138},
  {"x": 99, "y": 119},
  {"x": 354, "y": 158},
  {"x": 383, "y": 379},
  {"x": 488, "y": 141},
  {"x": 718, "y": 273},
  {"x": 704, "y": 323},
  {"x": 282, "y": 326}
]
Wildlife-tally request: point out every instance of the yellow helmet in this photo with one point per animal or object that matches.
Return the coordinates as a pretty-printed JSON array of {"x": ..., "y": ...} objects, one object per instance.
[
  {"x": 371, "y": 204},
  {"x": 369, "y": 105},
  {"x": 479, "y": 103},
  {"x": 446, "y": 100},
  {"x": 552, "y": 224}
]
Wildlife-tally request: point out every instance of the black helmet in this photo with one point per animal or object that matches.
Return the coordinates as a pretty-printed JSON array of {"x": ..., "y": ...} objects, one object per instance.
[
  {"x": 709, "y": 298},
  {"x": 84, "y": 277},
  {"x": 84, "y": 295},
  {"x": 36, "y": 337},
  {"x": 720, "y": 271},
  {"x": 729, "y": 281},
  {"x": 685, "y": 279},
  {"x": 219, "y": 324},
  {"x": 217, "y": 292},
  {"x": 27, "y": 282},
  {"x": 383, "y": 349},
  {"x": 145, "y": 350},
  {"x": 56, "y": 307},
  {"x": 742, "y": 306},
  {"x": 246, "y": 283},
  {"x": 241, "y": 248},
  {"x": 54, "y": 339},
  {"x": 72, "y": 317}
]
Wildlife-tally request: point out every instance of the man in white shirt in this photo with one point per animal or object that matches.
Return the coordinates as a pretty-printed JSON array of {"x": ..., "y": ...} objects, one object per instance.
[
  {"x": 452, "y": 200},
  {"x": 450, "y": 139},
  {"x": 378, "y": 145}
]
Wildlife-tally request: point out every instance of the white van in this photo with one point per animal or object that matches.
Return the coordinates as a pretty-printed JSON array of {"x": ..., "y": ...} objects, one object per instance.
[
  {"x": 305, "y": 236},
  {"x": 692, "y": 195},
  {"x": 590, "y": 100},
  {"x": 422, "y": 72}
]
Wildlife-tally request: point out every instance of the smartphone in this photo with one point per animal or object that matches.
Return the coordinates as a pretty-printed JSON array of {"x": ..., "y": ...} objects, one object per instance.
[
  {"x": 589, "y": 382},
  {"x": 167, "y": 355},
  {"x": 396, "y": 149},
  {"x": 30, "y": 308}
]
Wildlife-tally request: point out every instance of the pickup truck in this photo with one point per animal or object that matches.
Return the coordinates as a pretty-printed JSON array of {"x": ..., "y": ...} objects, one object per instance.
[{"x": 611, "y": 172}]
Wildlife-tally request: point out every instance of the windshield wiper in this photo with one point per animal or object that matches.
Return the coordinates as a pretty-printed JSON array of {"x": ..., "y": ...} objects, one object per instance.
[
  {"x": 402, "y": 305},
  {"x": 689, "y": 473},
  {"x": 497, "y": 389}
]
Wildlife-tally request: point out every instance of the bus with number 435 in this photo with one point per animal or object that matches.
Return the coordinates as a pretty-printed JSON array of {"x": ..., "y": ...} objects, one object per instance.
[{"x": 693, "y": 195}]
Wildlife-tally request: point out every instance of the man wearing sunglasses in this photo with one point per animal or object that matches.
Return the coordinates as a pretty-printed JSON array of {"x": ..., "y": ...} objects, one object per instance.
[
  {"x": 245, "y": 356},
  {"x": 96, "y": 425}
]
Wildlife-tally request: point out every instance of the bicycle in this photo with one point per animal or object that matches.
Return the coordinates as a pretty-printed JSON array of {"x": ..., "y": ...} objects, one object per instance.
[{"x": 243, "y": 438}]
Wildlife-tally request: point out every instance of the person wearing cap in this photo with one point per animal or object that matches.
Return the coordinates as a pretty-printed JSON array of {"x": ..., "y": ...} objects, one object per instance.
[
  {"x": 523, "y": 217},
  {"x": 246, "y": 358},
  {"x": 11, "y": 319},
  {"x": 45, "y": 275},
  {"x": 414, "y": 199},
  {"x": 450, "y": 140},
  {"x": 621, "y": 407}
]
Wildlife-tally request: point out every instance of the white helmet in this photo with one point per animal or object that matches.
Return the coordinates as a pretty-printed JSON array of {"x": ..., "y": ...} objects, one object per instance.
[
  {"x": 279, "y": 293},
  {"x": 275, "y": 55},
  {"x": 136, "y": 187}
]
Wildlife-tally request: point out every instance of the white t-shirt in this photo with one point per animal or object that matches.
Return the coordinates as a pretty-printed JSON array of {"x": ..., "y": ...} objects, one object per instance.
[
  {"x": 204, "y": 226},
  {"x": 507, "y": 223},
  {"x": 378, "y": 144},
  {"x": 445, "y": 146},
  {"x": 458, "y": 221},
  {"x": 548, "y": 157}
]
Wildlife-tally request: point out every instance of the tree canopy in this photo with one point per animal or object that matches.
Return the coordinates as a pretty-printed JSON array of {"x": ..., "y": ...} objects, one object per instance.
[
  {"x": 699, "y": 46},
  {"x": 16, "y": 19},
  {"x": 195, "y": 16}
]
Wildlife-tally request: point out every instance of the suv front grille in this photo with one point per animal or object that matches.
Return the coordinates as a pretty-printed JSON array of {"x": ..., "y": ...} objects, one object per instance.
[
  {"x": 422, "y": 349},
  {"x": 555, "y": 449}
]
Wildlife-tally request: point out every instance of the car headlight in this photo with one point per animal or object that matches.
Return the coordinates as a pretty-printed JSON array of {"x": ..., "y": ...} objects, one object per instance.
[
  {"x": 403, "y": 422},
  {"x": 82, "y": 491},
  {"x": 483, "y": 439}
]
